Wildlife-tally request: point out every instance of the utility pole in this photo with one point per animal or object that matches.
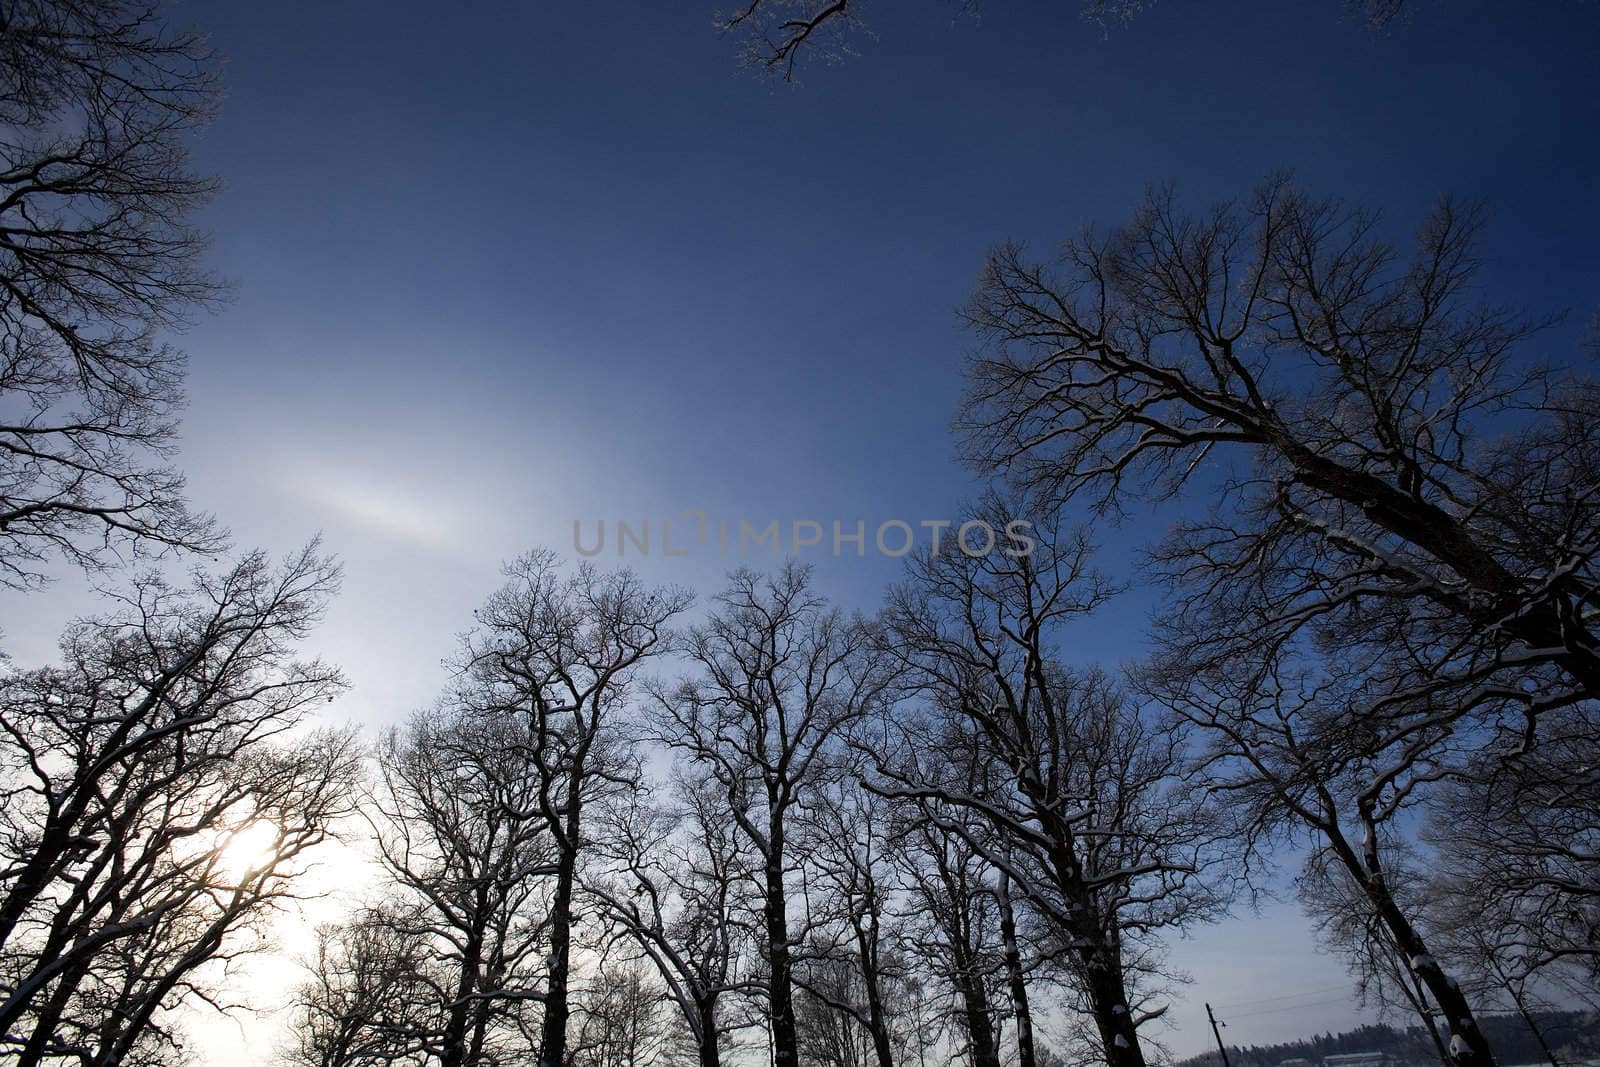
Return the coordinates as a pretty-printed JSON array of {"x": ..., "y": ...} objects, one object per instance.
[{"x": 1218, "y": 1032}]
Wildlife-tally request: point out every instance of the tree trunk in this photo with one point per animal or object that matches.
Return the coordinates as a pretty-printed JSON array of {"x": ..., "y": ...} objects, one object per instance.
[
  {"x": 553, "y": 1035},
  {"x": 1099, "y": 956},
  {"x": 1419, "y": 1003},
  {"x": 480, "y": 1032},
  {"x": 974, "y": 1011},
  {"x": 454, "y": 1050},
  {"x": 1519, "y": 997},
  {"x": 1468, "y": 1047},
  {"x": 708, "y": 1039},
  {"x": 44, "y": 1028},
  {"x": 867, "y": 946},
  {"x": 785, "y": 1040},
  {"x": 1108, "y": 1001},
  {"x": 1019, "y": 985}
]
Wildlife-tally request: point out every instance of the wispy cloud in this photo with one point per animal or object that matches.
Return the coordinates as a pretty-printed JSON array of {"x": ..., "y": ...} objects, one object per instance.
[{"x": 386, "y": 510}]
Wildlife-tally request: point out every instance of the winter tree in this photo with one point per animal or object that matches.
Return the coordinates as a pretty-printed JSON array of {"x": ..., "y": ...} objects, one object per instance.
[
  {"x": 829, "y": 1036},
  {"x": 560, "y": 653},
  {"x": 1379, "y": 461},
  {"x": 1345, "y": 923},
  {"x": 372, "y": 995},
  {"x": 622, "y": 1021},
  {"x": 1517, "y": 888},
  {"x": 1394, "y": 568},
  {"x": 159, "y": 801},
  {"x": 671, "y": 881},
  {"x": 778, "y": 678},
  {"x": 469, "y": 862},
  {"x": 96, "y": 260},
  {"x": 950, "y": 923},
  {"x": 1291, "y": 748},
  {"x": 778, "y": 34},
  {"x": 848, "y": 965},
  {"x": 1078, "y": 798}
]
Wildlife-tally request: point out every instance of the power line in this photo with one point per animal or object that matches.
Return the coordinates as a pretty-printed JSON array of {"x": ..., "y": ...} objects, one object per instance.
[
  {"x": 1287, "y": 1007},
  {"x": 1286, "y": 996}
]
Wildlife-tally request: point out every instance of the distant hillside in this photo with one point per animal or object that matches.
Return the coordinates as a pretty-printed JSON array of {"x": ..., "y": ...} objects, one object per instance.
[{"x": 1574, "y": 1035}]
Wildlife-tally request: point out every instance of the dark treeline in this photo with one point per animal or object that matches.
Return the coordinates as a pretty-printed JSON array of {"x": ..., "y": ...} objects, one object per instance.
[
  {"x": 643, "y": 824},
  {"x": 1575, "y": 1034}
]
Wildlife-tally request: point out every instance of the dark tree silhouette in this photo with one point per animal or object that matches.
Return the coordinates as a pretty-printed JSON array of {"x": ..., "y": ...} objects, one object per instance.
[
  {"x": 622, "y": 1021},
  {"x": 559, "y": 652},
  {"x": 780, "y": 678},
  {"x": 1403, "y": 479},
  {"x": 1080, "y": 800},
  {"x": 778, "y": 34},
  {"x": 1291, "y": 749},
  {"x": 1517, "y": 889},
  {"x": 1396, "y": 563},
  {"x": 129, "y": 771},
  {"x": 96, "y": 259},
  {"x": 455, "y": 819},
  {"x": 373, "y": 980},
  {"x": 672, "y": 882},
  {"x": 952, "y": 920},
  {"x": 848, "y": 965}
]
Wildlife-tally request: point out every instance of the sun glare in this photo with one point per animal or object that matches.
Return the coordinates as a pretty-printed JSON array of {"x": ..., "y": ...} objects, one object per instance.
[{"x": 249, "y": 849}]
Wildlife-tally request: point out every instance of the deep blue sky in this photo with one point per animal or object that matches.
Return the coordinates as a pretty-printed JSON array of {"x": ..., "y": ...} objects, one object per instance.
[
  {"x": 504, "y": 265},
  {"x": 510, "y": 266}
]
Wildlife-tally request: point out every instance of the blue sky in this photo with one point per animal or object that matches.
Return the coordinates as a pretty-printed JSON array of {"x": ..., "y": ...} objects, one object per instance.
[
  {"x": 512, "y": 266},
  {"x": 505, "y": 265}
]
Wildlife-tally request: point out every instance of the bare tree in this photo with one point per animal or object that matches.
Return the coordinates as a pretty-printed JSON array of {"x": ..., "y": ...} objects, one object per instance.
[
  {"x": 1518, "y": 876},
  {"x": 1396, "y": 568},
  {"x": 951, "y": 922},
  {"x": 781, "y": 676},
  {"x": 925, "y": 1018},
  {"x": 1355, "y": 390},
  {"x": 1080, "y": 800},
  {"x": 1347, "y": 924},
  {"x": 672, "y": 883},
  {"x": 848, "y": 896},
  {"x": 455, "y": 820},
  {"x": 621, "y": 1021},
  {"x": 1292, "y": 749},
  {"x": 96, "y": 258},
  {"x": 778, "y": 34},
  {"x": 367, "y": 1002},
  {"x": 1016, "y": 971},
  {"x": 157, "y": 805},
  {"x": 830, "y": 1036},
  {"x": 1496, "y": 975},
  {"x": 559, "y": 652}
]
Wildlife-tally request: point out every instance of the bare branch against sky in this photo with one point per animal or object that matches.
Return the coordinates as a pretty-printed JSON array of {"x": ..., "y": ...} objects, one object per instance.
[{"x": 928, "y": 558}]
